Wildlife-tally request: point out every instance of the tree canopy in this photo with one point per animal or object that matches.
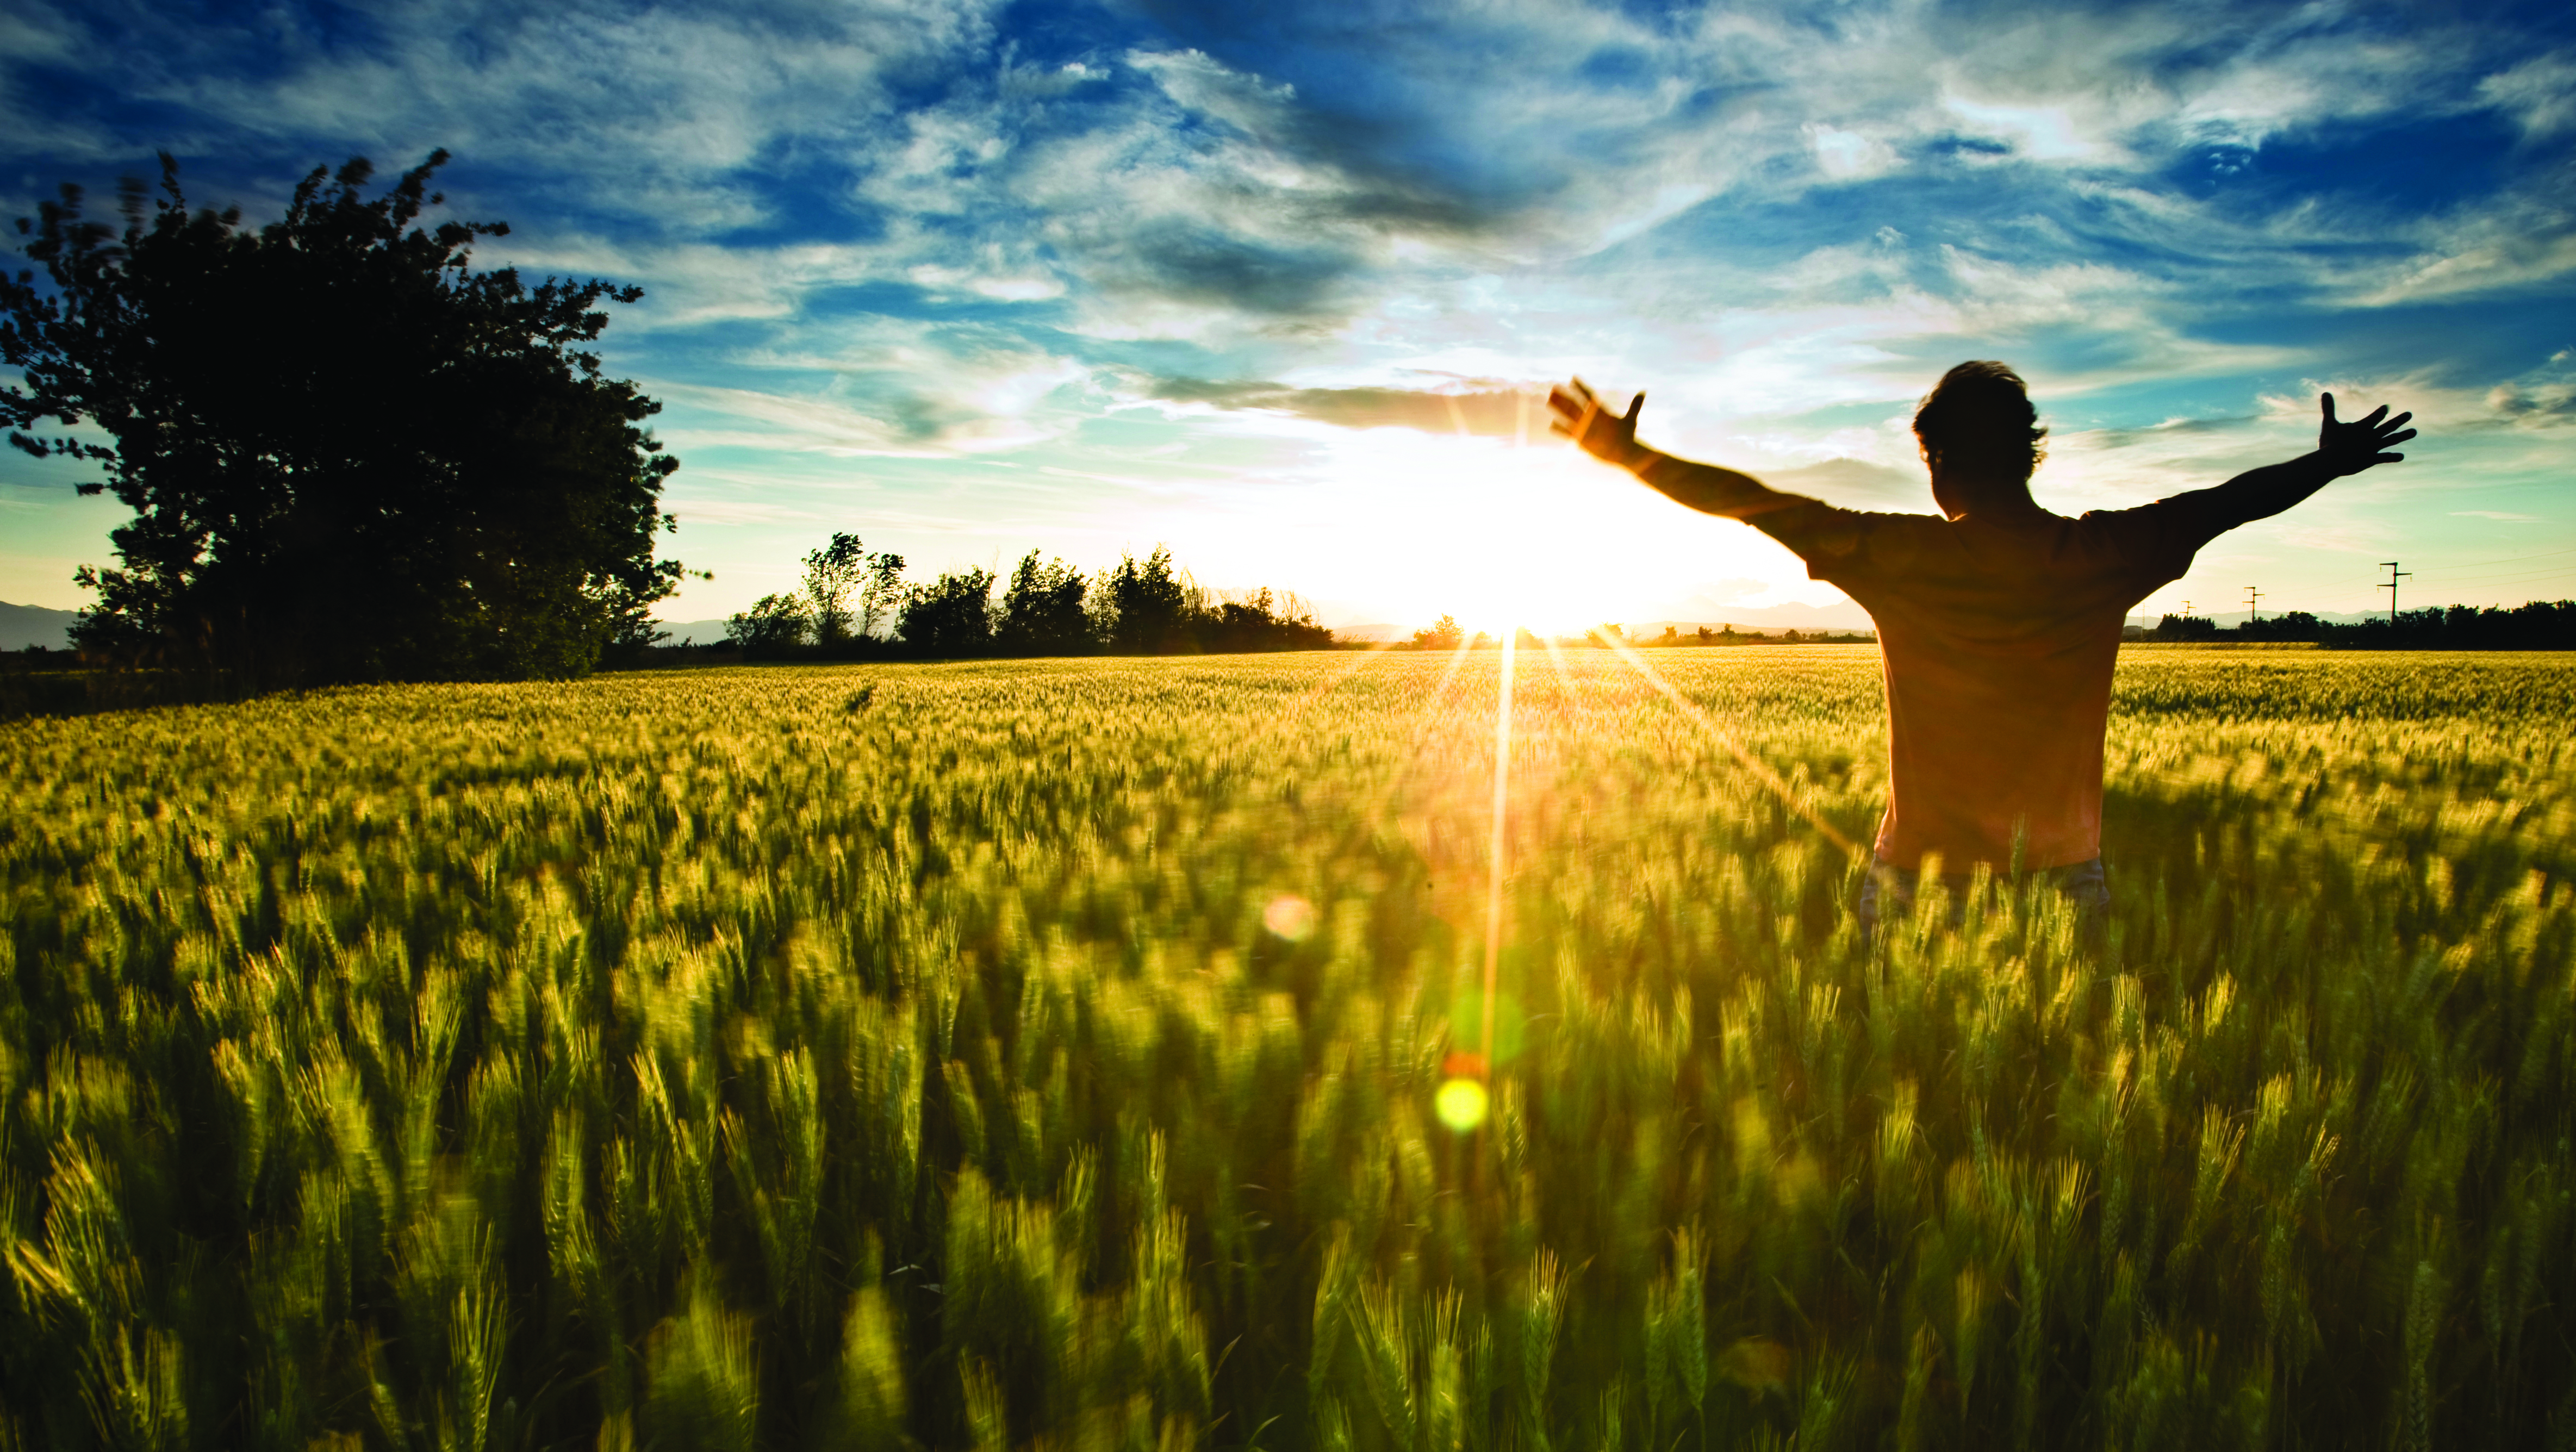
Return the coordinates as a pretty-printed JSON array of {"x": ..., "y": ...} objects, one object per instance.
[
  {"x": 952, "y": 616},
  {"x": 349, "y": 454},
  {"x": 1042, "y": 611}
]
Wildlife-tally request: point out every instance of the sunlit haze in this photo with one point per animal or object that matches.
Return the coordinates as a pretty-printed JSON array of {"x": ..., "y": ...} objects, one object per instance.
[{"x": 1285, "y": 293}]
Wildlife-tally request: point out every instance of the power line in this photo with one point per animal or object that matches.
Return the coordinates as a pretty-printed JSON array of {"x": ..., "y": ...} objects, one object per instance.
[
  {"x": 2513, "y": 559},
  {"x": 2442, "y": 582},
  {"x": 2548, "y": 574},
  {"x": 2445, "y": 578},
  {"x": 2252, "y": 596},
  {"x": 2394, "y": 575},
  {"x": 2440, "y": 579}
]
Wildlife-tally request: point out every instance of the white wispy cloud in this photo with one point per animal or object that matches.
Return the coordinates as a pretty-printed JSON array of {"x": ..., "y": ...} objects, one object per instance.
[{"x": 2540, "y": 93}]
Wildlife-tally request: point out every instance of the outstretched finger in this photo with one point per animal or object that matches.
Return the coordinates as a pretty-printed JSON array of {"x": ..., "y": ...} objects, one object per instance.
[
  {"x": 2375, "y": 416},
  {"x": 1579, "y": 428},
  {"x": 1635, "y": 405},
  {"x": 2400, "y": 420},
  {"x": 2397, "y": 438},
  {"x": 2327, "y": 399},
  {"x": 2388, "y": 459}
]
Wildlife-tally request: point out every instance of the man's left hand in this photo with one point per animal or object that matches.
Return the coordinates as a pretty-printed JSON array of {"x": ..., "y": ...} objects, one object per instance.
[
  {"x": 2349, "y": 448},
  {"x": 1607, "y": 436}
]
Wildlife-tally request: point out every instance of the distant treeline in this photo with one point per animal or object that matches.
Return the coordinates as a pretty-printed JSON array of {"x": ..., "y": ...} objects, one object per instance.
[
  {"x": 857, "y": 604},
  {"x": 2540, "y": 625},
  {"x": 1448, "y": 634}
]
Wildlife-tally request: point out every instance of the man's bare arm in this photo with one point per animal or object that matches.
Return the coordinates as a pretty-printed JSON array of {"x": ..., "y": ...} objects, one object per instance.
[
  {"x": 2342, "y": 448},
  {"x": 1612, "y": 438}
]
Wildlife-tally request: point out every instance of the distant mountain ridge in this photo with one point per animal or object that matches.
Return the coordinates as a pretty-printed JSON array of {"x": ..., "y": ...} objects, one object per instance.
[
  {"x": 692, "y": 632},
  {"x": 24, "y": 625}
]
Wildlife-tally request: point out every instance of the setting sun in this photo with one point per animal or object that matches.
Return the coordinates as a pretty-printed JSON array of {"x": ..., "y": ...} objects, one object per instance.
[{"x": 1498, "y": 534}]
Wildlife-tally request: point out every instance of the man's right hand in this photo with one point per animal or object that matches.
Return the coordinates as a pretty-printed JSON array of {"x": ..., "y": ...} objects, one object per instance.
[
  {"x": 1607, "y": 436},
  {"x": 2349, "y": 448}
]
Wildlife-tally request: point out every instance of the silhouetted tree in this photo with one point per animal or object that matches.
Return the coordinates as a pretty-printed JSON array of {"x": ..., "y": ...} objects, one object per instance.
[
  {"x": 835, "y": 574},
  {"x": 2288, "y": 625},
  {"x": 1260, "y": 621},
  {"x": 349, "y": 455},
  {"x": 1147, "y": 606},
  {"x": 1042, "y": 611},
  {"x": 832, "y": 575},
  {"x": 2186, "y": 627},
  {"x": 773, "y": 624},
  {"x": 1444, "y": 635},
  {"x": 950, "y": 617},
  {"x": 882, "y": 595}
]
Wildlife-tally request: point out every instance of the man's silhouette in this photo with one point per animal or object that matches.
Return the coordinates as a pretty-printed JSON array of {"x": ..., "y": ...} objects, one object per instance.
[{"x": 1998, "y": 622}]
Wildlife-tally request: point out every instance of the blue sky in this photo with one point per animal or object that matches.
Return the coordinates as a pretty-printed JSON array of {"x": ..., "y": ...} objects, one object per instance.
[{"x": 1276, "y": 284}]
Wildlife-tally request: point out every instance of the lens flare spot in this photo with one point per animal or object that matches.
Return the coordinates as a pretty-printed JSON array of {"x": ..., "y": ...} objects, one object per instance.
[
  {"x": 1460, "y": 1104},
  {"x": 1289, "y": 916}
]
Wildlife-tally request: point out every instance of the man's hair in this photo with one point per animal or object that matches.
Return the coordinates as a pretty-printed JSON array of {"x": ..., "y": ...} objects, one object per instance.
[{"x": 1979, "y": 417}]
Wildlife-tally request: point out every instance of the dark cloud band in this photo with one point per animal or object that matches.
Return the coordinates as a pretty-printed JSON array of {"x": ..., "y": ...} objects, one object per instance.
[{"x": 1491, "y": 412}]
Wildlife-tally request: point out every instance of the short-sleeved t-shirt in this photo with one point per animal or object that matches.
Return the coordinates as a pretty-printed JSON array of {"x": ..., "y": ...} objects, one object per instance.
[{"x": 1998, "y": 640}]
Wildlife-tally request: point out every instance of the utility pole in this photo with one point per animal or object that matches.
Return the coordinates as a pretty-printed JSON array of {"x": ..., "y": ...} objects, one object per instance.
[
  {"x": 2186, "y": 610},
  {"x": 2390, "y": 585},
  {"x": 2252, "y": 595}
]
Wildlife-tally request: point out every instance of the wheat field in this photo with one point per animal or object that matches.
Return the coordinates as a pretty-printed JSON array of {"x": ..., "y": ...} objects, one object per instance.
[{"x": 1045, "y": 1055}]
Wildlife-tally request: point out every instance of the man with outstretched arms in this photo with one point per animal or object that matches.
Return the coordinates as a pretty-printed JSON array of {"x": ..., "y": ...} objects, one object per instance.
[{"x": 1998, "y": 621}]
